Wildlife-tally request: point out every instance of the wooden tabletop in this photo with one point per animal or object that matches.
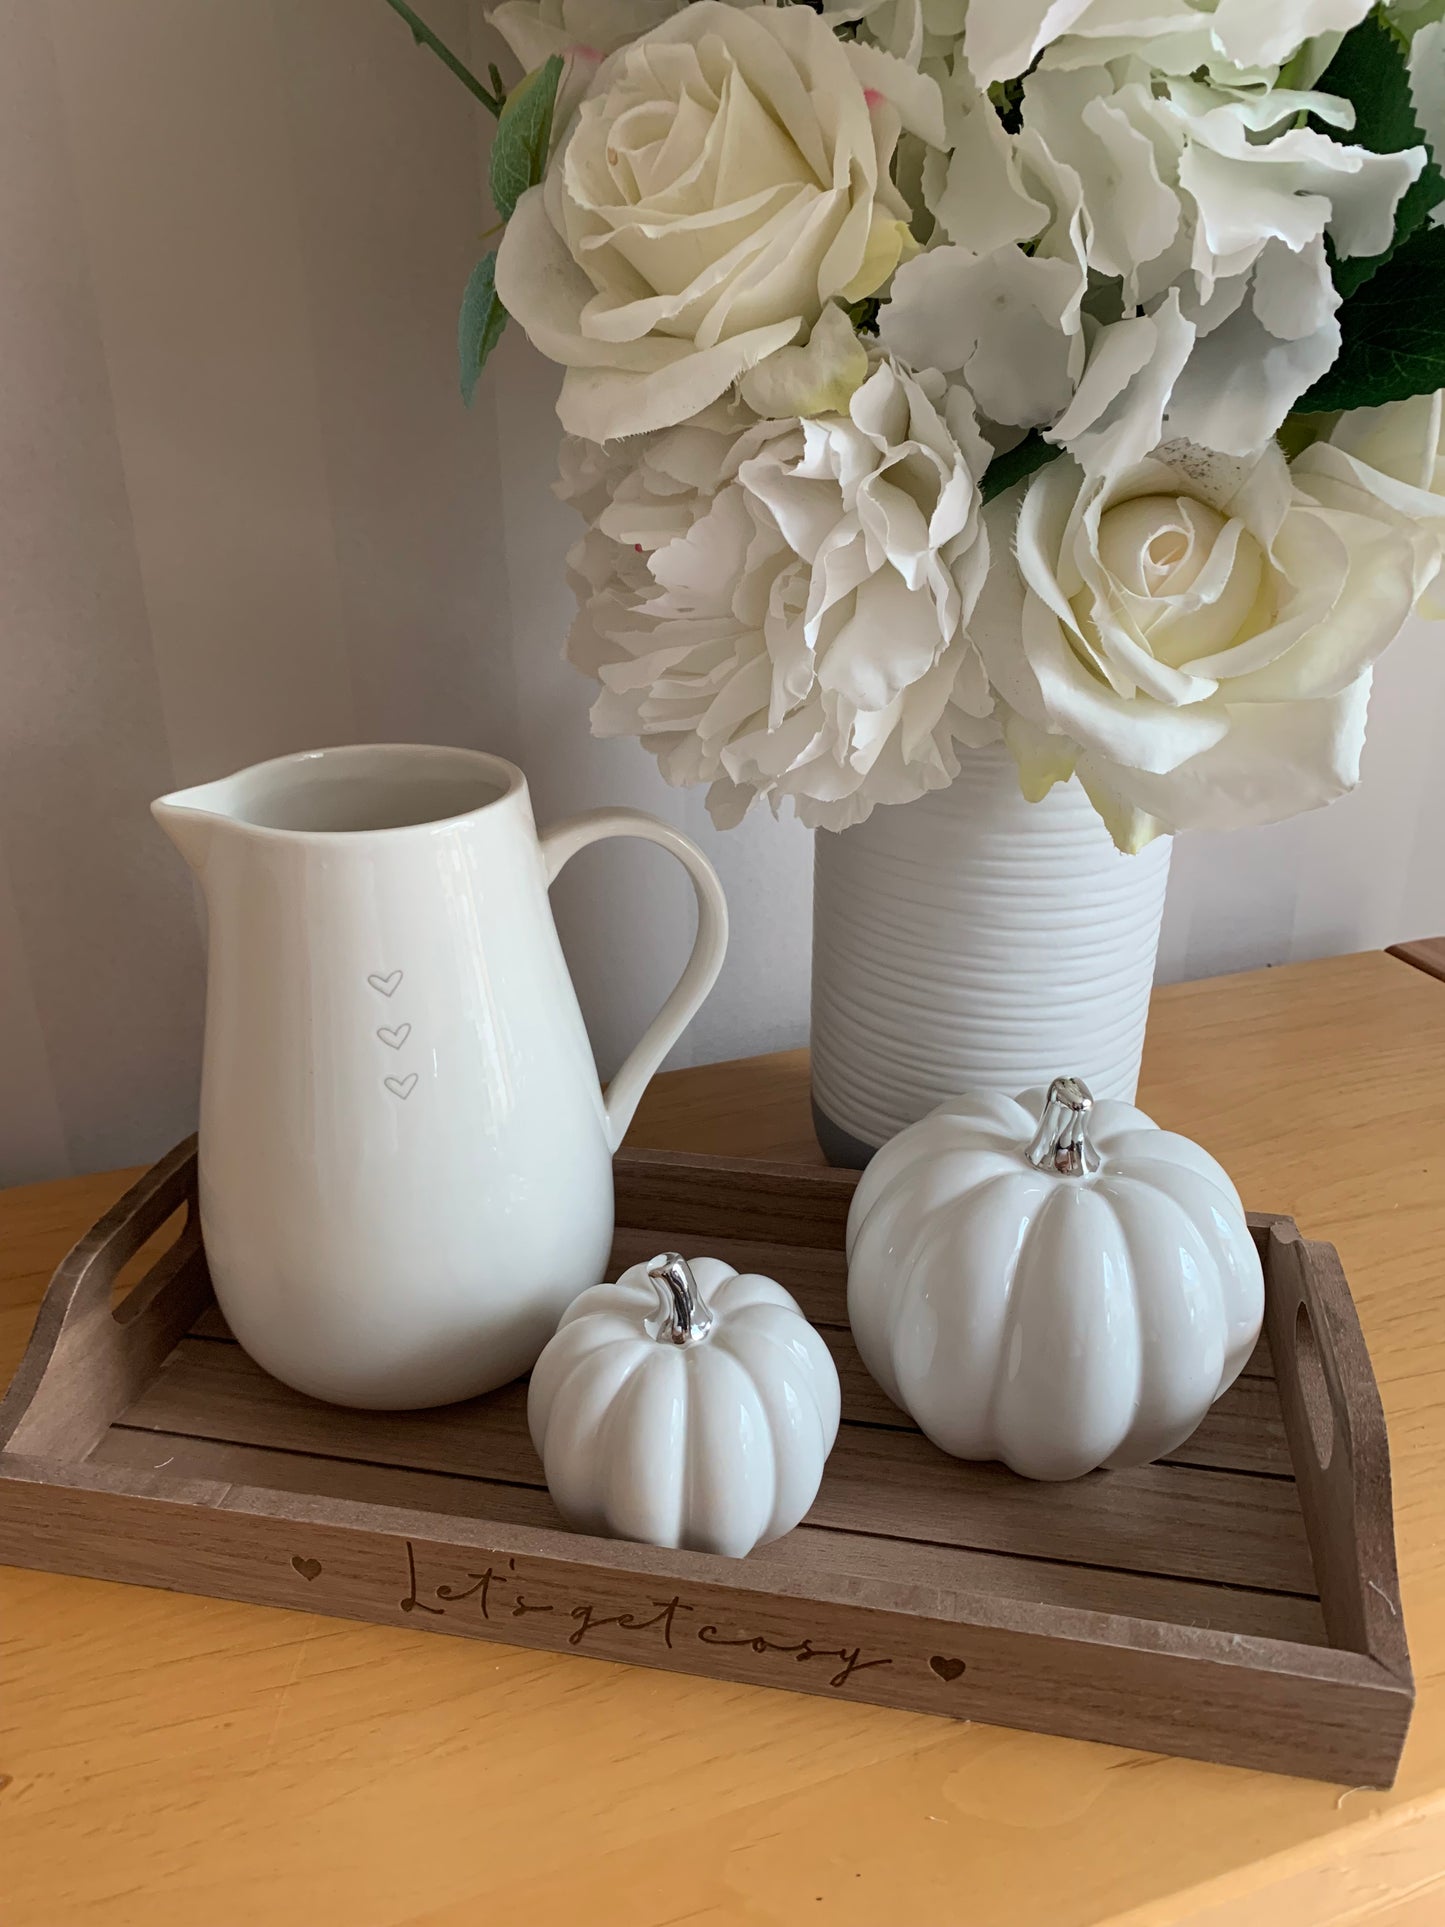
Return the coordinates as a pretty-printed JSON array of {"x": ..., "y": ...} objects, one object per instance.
[{"x": 183, "y": 1762}]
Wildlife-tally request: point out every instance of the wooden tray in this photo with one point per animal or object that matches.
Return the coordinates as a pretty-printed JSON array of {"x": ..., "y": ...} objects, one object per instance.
[{"x": 1238, "y": 1602}]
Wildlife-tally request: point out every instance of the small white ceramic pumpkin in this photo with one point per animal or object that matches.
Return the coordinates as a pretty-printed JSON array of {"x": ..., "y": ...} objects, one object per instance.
[
  {"x": 685, "y": 1405},
  {"x": 1051, "y": 1282}
]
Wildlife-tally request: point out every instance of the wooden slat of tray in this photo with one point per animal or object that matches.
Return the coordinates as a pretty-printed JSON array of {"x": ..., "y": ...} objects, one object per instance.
[
  {"x": 1269, "y": 1615},
  {"x": 1181, "y": 1521},
  {"x": 1244, "y": 1432}
]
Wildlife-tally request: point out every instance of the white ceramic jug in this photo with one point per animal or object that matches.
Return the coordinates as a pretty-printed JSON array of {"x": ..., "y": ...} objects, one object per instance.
[{"x": 405, "y": 1156}]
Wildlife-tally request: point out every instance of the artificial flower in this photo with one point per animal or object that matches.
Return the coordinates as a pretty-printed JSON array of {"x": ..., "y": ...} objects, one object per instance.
[
  {"x": 1395, "y": 455},
  {"x": 1193, "y": 636},
  {"x": 780, "y": 608},
  {"x": 1009, "y": 324},
  {"x": 819, "y": 378},
  {"x": 726, "y": 177},
  {"x": 915, "y": 30},
  {"x": 1248, "y": 38},
  {"x": 1206, "y": 208},
  {"x": 585, "y": 32},
  {"x": 536, "y": 29},
  {"x": 1220, "y": 196}
]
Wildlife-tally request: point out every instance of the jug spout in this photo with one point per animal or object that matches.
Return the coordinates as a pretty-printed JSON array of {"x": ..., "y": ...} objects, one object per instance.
[{"x": 190, "y": 818}]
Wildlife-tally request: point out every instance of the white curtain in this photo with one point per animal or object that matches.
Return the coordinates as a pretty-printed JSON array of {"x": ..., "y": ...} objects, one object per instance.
[{"x": 243, "y": 511}]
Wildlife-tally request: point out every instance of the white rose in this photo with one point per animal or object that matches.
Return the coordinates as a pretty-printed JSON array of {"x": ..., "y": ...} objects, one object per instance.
[
  {"x": 726, "y": 176},
  {"x": 536, "y": 29},
  {"x": 584, "y": 32},
  {"x": 779, "y": 608},
  {"x": 1194, "y": 635},
  {"x": 1395, "y": 454}
]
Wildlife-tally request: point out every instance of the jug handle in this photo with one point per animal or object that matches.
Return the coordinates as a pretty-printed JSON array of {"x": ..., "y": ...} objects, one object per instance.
[{"x": 559, "y": 845}]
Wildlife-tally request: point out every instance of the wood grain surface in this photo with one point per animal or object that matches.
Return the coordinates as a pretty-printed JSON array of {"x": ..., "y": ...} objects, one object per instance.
[
  {"x": 1426, "y": 953},
  {"x": 173, "y": 1759}
]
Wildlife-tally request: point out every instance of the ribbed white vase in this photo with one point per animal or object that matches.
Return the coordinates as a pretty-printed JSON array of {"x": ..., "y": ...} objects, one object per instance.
[{"x": 975, "y": 941}]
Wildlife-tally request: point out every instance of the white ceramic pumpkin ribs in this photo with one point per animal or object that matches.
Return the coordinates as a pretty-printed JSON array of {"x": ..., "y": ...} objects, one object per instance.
[
  {"x": 685, "y": 1406},
  {"x": 1051, "y": 1282}
]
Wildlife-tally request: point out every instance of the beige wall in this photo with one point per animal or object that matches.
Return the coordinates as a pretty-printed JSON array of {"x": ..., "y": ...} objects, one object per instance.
[{"x": 242, "y": 511}]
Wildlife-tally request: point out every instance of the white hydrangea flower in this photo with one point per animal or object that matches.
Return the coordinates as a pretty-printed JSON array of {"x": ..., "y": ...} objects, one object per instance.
[
  {"x": 1008, "y": 323},
  {"x": 726, "y": 176},
  {"x": 779, "y": 608},
  {"x": 1193, "y": 636},
  {"x": 1219, "y": 195},
  {"x": 1206, "y": 207},
  {"x": 1251, "y": 38}
]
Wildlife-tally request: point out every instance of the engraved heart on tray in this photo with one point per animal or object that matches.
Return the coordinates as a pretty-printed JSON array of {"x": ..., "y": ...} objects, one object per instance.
[
  {"x": 401, "y": 1087},
  {"x": 394, "y": 1039},
  {"x": 386, "y": 985}
]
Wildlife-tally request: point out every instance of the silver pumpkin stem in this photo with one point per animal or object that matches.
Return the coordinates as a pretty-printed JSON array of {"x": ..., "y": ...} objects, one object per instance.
[
  {"x": 1062, "y": 1142},
  {"x": 685, "y": 1314}
]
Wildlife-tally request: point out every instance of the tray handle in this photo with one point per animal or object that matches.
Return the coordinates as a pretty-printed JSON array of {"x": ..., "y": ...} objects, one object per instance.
[
  {"x": 87, "y": 1361},
  {"x": 1338, "y": 1443}
]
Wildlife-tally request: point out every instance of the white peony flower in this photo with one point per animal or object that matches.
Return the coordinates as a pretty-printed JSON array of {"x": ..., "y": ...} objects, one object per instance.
[
  {"x": 1194, "y": 636},
  {"x": 726, "y": 176},
  {"x": 1395, "y": 455},
  {"x": 779, "y": 607},
  {"x": 1250, "y": 37}
]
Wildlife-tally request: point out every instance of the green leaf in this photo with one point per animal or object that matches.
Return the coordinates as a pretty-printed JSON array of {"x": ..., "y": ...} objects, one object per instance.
[
  {"x": 1394, "y": 333},
  {"x": 1032, "y": 453},
  {"x": 1370, "y": 71},
  {"x": 1405, "y": 20},
  {"x": 864, "y": 314},
  {"x": 524, "y": 134},
  {"x": 479, "y": 325}
]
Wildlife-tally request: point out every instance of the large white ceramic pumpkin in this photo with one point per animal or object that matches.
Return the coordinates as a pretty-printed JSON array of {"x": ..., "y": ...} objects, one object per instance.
[
  {"x": 686, "y": 1405},
  {"x": 1051, "y": 1282}
]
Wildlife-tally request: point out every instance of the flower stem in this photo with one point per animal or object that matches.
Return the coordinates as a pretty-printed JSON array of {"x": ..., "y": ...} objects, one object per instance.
[{"x": 422, "y": 34}]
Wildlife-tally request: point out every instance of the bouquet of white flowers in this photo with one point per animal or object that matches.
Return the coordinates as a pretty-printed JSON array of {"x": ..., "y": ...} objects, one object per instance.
[{"x": 1064, "y": 372}]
